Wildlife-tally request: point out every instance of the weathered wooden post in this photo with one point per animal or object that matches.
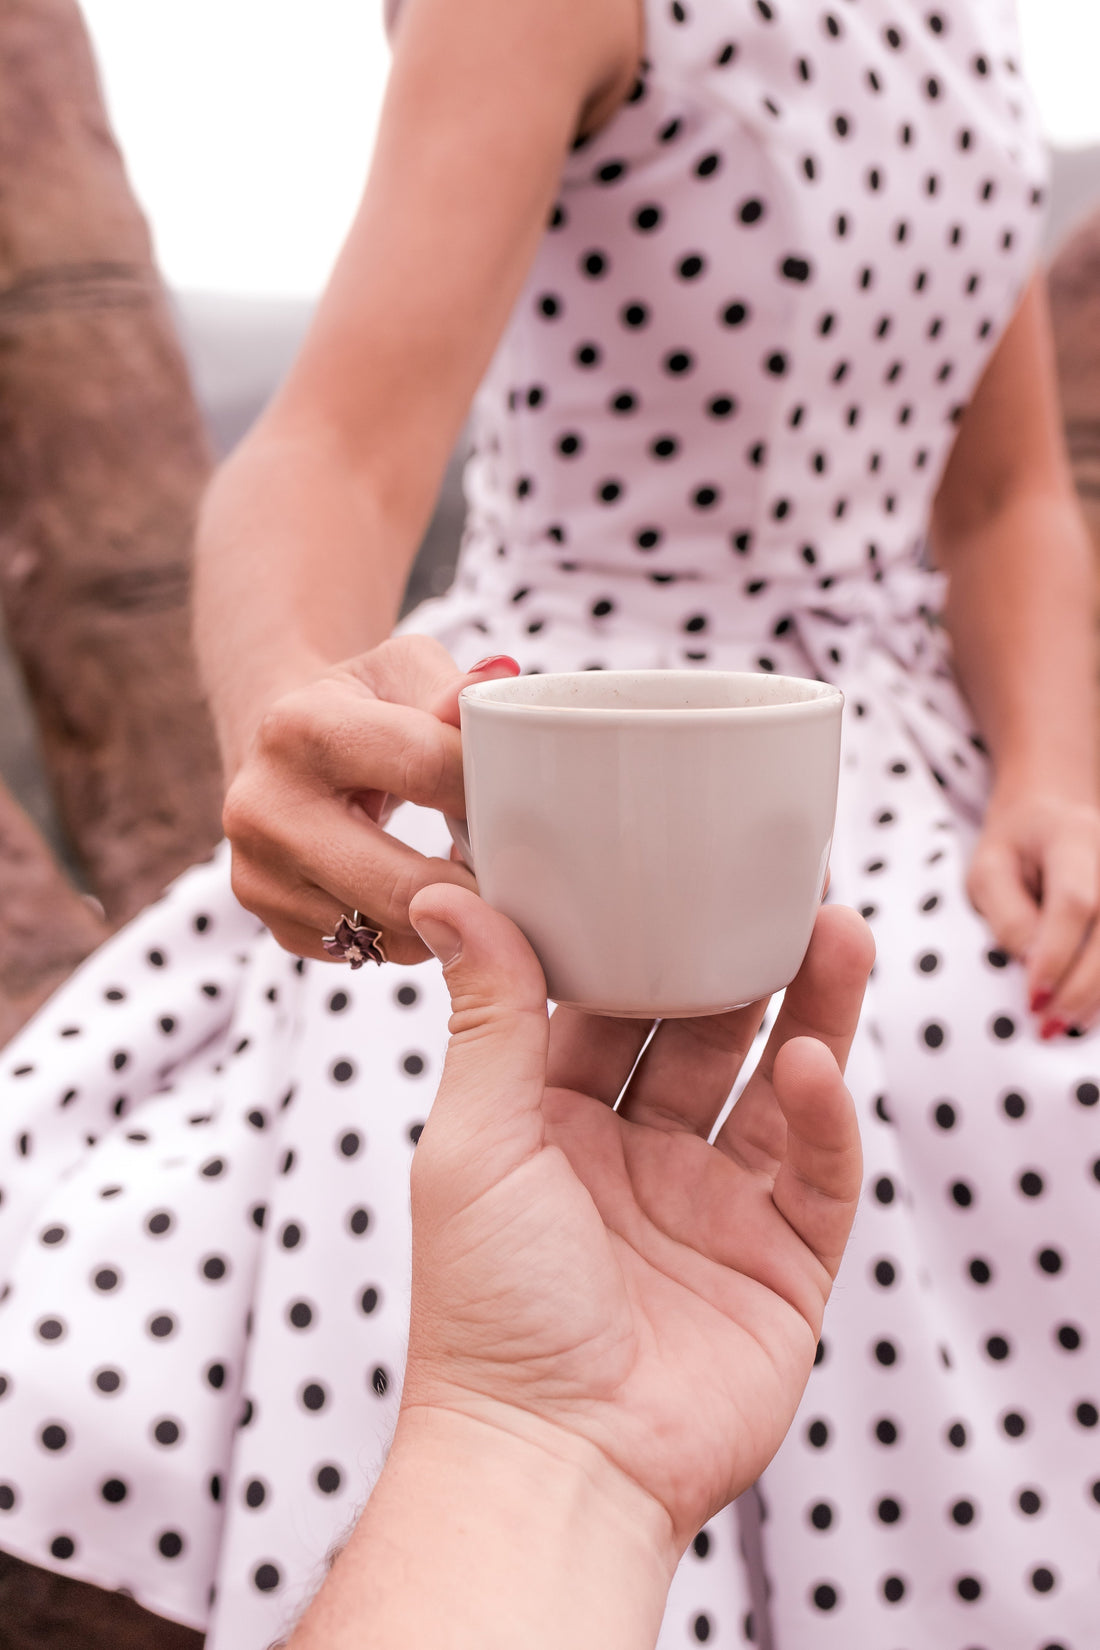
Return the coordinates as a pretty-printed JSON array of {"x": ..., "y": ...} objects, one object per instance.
[
  {"x": 1075, "y": 306},
  {"x": 102, "y": 460}
]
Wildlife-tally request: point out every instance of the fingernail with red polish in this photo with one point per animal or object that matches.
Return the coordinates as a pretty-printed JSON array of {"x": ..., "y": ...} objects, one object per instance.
[
  {"x": 496, "y": 661},
  {"x": 1040, "y": 1000},
  {"x": 1053, "y": 1028}
]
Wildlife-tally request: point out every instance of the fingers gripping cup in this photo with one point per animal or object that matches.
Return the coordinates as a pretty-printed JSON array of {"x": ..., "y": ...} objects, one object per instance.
[{"x": 660, "y": 837}]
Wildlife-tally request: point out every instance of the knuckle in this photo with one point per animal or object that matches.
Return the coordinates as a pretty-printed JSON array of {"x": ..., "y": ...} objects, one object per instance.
[
  {"x": 400, "y": 657},
  {"x": 1077, "y": 903},
  {"x": 289, "y": 939},
  {"x": 392, "y": 892},
  {"x": 242, "y": 815},
  {"x": 975, "y": 883},
  {"x": 249, "y": 888},
  {"x": 424, "y": 767},
  {"x": 286, "y": 726}
]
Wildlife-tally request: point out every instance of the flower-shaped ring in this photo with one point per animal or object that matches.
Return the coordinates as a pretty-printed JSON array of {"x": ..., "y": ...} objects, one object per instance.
[{"x": 355, "y": 941}]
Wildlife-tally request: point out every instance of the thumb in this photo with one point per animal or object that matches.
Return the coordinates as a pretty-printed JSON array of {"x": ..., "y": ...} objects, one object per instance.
[
  {"x": 489, "y": 1100},
  {"x": 445, "y": 707}
]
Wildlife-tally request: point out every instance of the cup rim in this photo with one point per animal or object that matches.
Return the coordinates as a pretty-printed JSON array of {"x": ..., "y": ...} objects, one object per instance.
[{"x": 814, "y": 698}]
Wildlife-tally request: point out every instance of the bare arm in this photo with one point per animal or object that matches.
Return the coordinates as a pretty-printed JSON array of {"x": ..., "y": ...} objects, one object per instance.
[
  {"x": 309, "y": 530},
  {"x": 1021, "y": 611},
  {"x": 612, "y": 1320}
]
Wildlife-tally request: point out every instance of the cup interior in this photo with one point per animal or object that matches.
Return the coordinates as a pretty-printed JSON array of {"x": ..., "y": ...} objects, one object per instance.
[{"x": 664, "y": 692}]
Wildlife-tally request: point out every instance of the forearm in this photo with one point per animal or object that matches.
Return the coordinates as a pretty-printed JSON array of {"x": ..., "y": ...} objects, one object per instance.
[
  {"x": 297, "y": 567},
  {"x": 477, "y": 1539},
  {"x": 1021, "y": 612}
]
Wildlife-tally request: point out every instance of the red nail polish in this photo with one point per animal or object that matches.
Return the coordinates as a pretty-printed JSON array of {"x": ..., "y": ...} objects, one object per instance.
[
  {"x": 1053, "y": 1028},
  {"x": 494, "y": 662},
  {"x": 1040, "y": 1000}
]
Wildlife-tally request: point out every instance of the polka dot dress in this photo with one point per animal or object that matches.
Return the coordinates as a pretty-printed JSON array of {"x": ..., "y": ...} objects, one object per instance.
[{"x": 710, "y": 435}]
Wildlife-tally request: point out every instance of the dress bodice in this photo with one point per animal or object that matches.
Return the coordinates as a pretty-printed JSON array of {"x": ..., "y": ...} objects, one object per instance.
[{"x": 767, "y": 290}]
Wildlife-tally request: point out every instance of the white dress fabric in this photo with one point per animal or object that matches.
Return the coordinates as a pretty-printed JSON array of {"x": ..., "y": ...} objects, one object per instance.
[{"x": 710, "y": 435}]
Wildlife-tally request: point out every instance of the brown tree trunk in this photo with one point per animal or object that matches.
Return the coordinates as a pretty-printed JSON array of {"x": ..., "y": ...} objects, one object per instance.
[
  {"x": 102, "y": 461},
  {"x": 47, "y": 927},
  {"x": 1075, "y": 307}
]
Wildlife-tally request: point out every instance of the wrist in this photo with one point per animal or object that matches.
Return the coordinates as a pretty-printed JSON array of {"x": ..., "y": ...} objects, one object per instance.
[
  {"x": 490, "y": 1528},
  {"x": 1019, "y": 776},
  {"x": 583, "y": 1496}
]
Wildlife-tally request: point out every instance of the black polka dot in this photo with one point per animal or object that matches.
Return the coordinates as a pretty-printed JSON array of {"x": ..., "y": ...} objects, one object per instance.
[
  {"x": 54, "y": 1437},
  {"x": 62, "y": 1546},
  {"x": 170, "y": 1544},
  {"x": 266, "y": 1578},
  {"x": 313, "y": 1396}
]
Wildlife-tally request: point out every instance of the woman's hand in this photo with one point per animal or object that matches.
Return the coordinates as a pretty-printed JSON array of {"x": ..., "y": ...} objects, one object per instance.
[
  {"x": 329, "y": 762},
  {"x": 1035, "y": 878},
  {"x": 603, "y": 1281}
]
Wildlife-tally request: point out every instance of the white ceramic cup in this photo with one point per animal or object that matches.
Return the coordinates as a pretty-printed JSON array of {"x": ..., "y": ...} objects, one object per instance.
[{"x": 661, "y": 837}]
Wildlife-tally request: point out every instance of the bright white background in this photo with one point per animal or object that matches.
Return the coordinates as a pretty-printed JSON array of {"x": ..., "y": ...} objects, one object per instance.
[{"x": 247, "y": 124}]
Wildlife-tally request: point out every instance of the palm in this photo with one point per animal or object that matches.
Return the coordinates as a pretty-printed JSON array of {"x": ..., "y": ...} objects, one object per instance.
[
  {"x": 702, "y": 1304},
  {"x": 653, "y": 1292}
]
